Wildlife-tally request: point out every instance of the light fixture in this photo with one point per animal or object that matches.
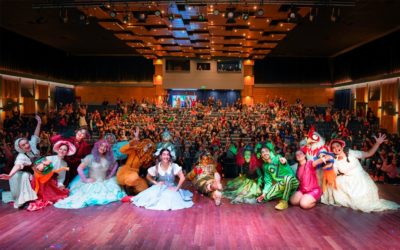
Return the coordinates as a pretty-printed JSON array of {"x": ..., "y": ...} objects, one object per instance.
[
  {"x": 171, "y": 17},
  {"x": 260, "y": 12},
  {"x": 201, "y": 17},
  {"x": 141, "y": 17},
  {"x": 157, "y": 13},
  {"x": 230, "y": 15},
  {"x": 126, "y": 19},
  {"x": 113, "y": 14},
  {"x": 335, "y": 14},
  {"x": 293, "y": 16},
  {"x": 216, "y": 12},
  {"x": 245, "y": 16},
  {"x": 313, "y": 14},
  {"x": 64, "y": 15}
]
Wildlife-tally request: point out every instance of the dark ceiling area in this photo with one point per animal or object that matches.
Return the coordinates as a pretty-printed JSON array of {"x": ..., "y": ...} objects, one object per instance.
[{"x": 367, "y": 21}]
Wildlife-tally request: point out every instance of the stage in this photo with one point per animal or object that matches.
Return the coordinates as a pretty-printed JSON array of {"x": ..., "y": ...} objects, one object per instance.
[{"x": 205, "y": 226}]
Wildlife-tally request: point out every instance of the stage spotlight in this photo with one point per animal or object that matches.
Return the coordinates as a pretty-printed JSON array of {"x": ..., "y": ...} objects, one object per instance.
[
  {"x": 113, "y": 14},
  {"x": 216, "y": 12},
  {"x": 157, "y": 13},
  {"x": 245, "y": 16},
  {"x": 260, "y": 12},
  {"x": 171, "y": 17}
]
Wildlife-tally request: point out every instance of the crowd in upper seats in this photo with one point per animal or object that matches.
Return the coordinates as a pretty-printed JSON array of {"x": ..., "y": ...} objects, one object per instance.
[{"x": 207, "y": 125}]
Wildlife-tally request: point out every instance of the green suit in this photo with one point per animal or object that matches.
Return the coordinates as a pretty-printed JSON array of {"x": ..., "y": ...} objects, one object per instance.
[{"x": 279, "y": 180}]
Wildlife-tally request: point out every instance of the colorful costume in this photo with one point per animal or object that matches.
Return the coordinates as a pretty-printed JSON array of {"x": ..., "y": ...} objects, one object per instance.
[
  {"x": 160, "y": 197},
  {"x": 307, "y": 177},
  {"x": 139, "y": 155},
  {"x": 245, "y": 188},
  {"x": 355, "y": 188},
  {"x": 279, "y": 179},
  {"x": 82, "y": 150},
  {"x": 20, "y": 185},
  {"x": 206, "y": 179},
  {"x": 328, "y": 175},
  {"x": 100, "y": 192},
  {"x": 314, "y": 144},
  {"x": 45, "y": 186}
]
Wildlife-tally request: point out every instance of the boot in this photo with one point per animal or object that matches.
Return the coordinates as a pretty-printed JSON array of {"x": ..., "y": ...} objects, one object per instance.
[{"x": 282, "y": 205}]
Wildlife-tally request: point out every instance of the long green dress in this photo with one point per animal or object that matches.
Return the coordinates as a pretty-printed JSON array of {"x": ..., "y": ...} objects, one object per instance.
[{"x": 246, "y": 187}]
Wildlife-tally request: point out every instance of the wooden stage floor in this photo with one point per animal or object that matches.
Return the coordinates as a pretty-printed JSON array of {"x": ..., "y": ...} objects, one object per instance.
[{"x": 205, "y": 226}]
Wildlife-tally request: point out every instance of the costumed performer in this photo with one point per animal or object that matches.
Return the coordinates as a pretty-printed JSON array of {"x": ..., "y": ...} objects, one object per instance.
[
  {"x": 245, "y": 188},
  {"x": 206, "y": 178},
  {"x": 164, "y": 194},
  {"x": 99, "y": 187},
  {"x": 140, "y": 154},
  {"x": 20, "y": 175},
  {"x": 82, "y": 150},
  {"x": 309, "y": 191},
  {"x": 355, "y": 188},
  {"x": 278, "y": 177}
]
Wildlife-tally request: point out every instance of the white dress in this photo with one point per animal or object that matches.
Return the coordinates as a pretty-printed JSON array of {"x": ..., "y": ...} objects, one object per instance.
[
  {"x": 355, "y": 188},
  {"x": 160, "y": 197},
  {"x": 20, "y": 182}
]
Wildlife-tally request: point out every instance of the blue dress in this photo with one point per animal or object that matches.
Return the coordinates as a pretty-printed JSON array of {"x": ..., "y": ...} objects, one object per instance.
[
  {"x": 160, "y": 197},
  {"x": 100, "y": 192}
]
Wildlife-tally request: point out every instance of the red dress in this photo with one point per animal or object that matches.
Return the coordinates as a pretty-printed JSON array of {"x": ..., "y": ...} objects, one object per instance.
[{"x": 48, "y": 193}]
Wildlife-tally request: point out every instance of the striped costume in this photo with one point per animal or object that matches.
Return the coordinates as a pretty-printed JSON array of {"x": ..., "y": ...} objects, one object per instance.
[{"x": 279, "y": 180}]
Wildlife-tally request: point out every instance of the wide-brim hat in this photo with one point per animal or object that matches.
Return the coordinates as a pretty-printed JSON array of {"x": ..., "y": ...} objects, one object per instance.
[
  {"x": 71, "y": 147},
  {"x": 341, "y": 142}
]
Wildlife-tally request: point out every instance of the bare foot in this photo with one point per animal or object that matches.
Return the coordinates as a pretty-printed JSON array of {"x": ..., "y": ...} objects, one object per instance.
[{"x": 217, "y": 197}]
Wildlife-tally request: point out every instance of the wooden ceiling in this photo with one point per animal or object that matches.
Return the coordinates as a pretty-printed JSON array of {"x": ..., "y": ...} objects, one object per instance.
[{"x": 202, "y": 31}]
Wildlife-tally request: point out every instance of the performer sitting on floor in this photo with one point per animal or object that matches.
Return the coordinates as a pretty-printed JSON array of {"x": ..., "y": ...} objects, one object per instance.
[
  {"x": 164, "y": 194},
  {"x": 140, "y": 154},
  {"x": 279, "y": 178},
  {"x": 245, "y": 188},
  {"x": 355, "y": 188},
  {"x": 20, "y": 175},
  {"x": 100, "y": 187},
  {"x": 309, "y": 191},
  {"x": 82, "y": 149},
  {"x": 206, "y": 179}
]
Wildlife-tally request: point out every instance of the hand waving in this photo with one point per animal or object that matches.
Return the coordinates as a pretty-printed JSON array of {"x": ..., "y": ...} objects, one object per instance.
[{"x": 380, "y": 139}]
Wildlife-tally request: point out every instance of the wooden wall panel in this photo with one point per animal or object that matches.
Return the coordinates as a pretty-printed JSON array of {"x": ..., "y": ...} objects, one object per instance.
[
  {"x": 389, "y": 92},
  {"x": 11, "y": 88},
  {"x": 361, "y": 94},
  {"x": 29, "y": 105},
  {"x": 42, "y": 92},
  {"x": 374, "y": 106},
  {"x": 97, "y": 94},
  {"x": 309, "y": 95}
]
